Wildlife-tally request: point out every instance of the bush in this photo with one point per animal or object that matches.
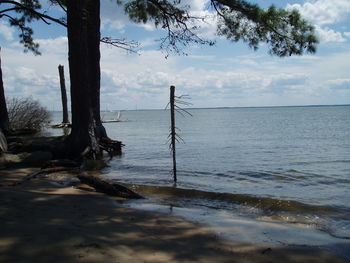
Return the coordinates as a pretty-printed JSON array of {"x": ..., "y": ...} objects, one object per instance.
[
  {"x": 27, "y": 114},
  {"x": 3, "y": 143}
]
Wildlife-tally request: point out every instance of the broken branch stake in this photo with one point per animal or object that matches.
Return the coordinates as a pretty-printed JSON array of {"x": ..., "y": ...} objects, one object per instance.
[
  {"x": 173, "y": 129},
  {"x": 63, "y": 94}
]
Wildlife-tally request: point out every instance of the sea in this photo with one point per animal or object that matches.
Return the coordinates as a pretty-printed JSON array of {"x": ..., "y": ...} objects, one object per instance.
[{"x": 252, "y": 173}]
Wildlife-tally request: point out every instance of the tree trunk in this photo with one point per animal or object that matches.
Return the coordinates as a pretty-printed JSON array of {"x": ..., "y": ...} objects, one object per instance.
[
  {"x": 63, "y": 94},
  {"x": 94, "y": 37},
  {"x": 83, "y": 128},
  {"x": 88, "y": 134},
  {"x": 4, "y": 118},
  {"x": 173, "y": 130}
]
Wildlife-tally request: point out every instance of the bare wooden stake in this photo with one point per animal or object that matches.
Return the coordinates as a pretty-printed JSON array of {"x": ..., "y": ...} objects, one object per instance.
[
  {"x": 173, "y": 129},
  {"x": 173, "y": 136},
  {"x": 63, "y": 94}
]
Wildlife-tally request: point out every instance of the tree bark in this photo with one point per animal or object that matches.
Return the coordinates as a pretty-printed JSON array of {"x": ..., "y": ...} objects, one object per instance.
[
  {"x": 88, "y": 136},
  {"x": 83, "y": 131},
  {"x": 63, "y": 94},
  {"x": 94, "y": 36},
  {"x": 4, "y": 118}
]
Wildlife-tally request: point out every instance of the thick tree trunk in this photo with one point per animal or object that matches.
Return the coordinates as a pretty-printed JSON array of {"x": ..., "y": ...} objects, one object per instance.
[
  {"x": 4, "y": 118},
  {"x": 94, "y": 37},
  {"x": 83, "y": 128},
  {"x": 63, "y": 94},
  {"x": 88, "y": 134}
]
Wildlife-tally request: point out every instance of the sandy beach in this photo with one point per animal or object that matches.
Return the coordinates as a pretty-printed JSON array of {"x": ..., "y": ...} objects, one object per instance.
[{"x": 45, "y": 221}]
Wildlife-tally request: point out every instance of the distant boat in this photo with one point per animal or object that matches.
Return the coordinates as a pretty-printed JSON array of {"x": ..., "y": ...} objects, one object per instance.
[
  {"x": 119, "y": 115},
  {"x": 118, "y": 119}
]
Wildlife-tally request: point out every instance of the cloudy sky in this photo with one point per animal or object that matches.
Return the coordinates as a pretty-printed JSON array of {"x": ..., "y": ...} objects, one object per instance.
[{"x": 226, "y": 75}]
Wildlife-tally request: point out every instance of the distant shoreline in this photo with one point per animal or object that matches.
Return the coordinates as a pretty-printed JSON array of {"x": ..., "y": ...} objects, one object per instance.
[{"x": 236, "y": 107}]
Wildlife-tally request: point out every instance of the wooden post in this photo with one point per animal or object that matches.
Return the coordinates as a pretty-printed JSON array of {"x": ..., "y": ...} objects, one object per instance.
[
  {"x": 63, "y": 94},
  {"x": 173, "y": 131},
  {"x": 4, "y": 117}
]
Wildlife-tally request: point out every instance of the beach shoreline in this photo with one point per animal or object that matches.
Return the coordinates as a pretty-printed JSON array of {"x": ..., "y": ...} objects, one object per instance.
[{"x": 47, "y": 221}]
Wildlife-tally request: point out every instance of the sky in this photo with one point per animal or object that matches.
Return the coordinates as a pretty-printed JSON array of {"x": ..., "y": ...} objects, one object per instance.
[{"x": 225, "y": 75}]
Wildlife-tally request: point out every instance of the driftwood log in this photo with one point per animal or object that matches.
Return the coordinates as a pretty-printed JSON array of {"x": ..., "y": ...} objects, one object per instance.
[
  {"x": 107, "y": 188},
  {"x": 110, "y": 121},
  {"x": 61, "y": 125}
]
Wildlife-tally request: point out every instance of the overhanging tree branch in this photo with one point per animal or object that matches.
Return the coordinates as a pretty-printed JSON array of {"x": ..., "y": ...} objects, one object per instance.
[
  {"x": 122, "y": 43},
  {"x": 178, "y": 23},
  {"x": 37, "y": 15},
  {"x": 284, "y": 31},
  {"x": 29, "y": 13}
]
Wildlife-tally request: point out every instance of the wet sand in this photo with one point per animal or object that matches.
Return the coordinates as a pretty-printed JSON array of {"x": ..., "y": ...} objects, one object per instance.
[{"x": 42, "y": 221}]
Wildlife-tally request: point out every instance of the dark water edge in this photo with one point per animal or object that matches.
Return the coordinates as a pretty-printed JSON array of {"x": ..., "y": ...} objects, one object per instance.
[
  {"x": 328, "y": 219},
  {"x": 265, "y": 170},
  {"x": 239, "y": 225},
  {"x": 242, "y": 223}
]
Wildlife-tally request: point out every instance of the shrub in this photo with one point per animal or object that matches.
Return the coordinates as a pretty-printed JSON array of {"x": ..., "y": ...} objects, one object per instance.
[
  {"x": 27, "y": 114},
  {"x": 3, "y": 143}
]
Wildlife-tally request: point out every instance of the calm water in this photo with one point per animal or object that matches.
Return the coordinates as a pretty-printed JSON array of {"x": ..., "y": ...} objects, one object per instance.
[{"x": 290, "y": 164}]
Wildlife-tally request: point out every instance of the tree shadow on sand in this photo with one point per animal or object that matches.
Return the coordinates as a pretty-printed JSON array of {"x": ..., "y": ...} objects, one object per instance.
[{"x": 44, "y": 223}]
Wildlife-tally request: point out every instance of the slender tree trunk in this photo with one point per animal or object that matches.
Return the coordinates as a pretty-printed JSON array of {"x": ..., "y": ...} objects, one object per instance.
[
  {"x": 63, "y": 94},
  {"x": 173, "y": 129},
  {"x": 4, "y": 118},
  {"x": 82, "y": 133}
]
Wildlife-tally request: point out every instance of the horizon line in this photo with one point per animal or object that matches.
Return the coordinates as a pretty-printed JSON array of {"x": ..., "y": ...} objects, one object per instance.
[{"x": 231, "y": 107}]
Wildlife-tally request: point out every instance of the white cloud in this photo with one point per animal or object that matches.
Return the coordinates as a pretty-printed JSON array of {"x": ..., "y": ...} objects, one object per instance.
[
  {"x": 57, "y": 46},
  {"x": 249, "y": 62},
  {"x": 202, "y": 57},
  {"x": 323, "y": 13},
  {"x": 329, "y": 35},
  {"x": 26, "y": 82},
  {"x": 341, "y": 84},
  {"x": 129, "y": 80},
  {"x": 6, "y": 31},
  {"x": 113, "y": 16},
  {"x": 196, "y": 5},
  {"x": 27, "y": 75}
]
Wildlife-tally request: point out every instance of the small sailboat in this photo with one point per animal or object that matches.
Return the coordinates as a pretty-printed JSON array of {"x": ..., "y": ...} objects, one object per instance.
[
  {"x": 118, "y": 116},
  {"x": 117, "y": 119}
]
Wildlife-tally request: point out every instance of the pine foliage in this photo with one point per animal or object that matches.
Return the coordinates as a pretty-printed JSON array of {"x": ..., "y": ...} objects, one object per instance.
[
  {"x": 284, "y": 31},
  {"x": 20, "y": 14}
]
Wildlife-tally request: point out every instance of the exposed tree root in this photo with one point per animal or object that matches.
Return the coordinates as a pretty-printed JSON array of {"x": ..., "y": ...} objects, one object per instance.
[{"x": 112, "y": 147}]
